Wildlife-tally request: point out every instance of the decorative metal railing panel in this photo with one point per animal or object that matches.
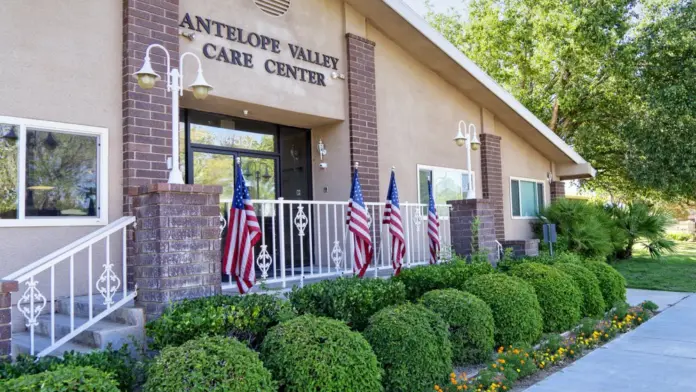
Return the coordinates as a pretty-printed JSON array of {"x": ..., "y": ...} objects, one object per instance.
[
  {"x": 40, "y": 299},
  {"x": 308, "y": 240}
]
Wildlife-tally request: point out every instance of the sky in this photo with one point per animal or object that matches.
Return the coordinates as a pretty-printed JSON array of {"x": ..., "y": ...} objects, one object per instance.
[{"x": 439, "y": 5}]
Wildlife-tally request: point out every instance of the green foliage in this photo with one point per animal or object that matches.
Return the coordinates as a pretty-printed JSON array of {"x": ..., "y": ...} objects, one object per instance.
[
  {"x": 583, "y": 228},
  {"x": 588, "y": 284},
  {"x": 680, "y": 237},
  {"x": 412, "y": 344},
  {"x": 559, "y": 297},
  {"x": 642, "y": 224},
  {"x": 649, "y": 305},
  {"x": 118, "y": 363},
  {"x": 470, "y": 323},
  {"x": 246, "y": 318},
  {"x": 420, "y": 280},
  {"x": 352, "y": 300},
  {"x": 515, "y": 307},
  {"x": 313, "y": 353},
  {"x": 62, "y": 379},
  {"x": 209, "y": 363},
  {"x": 611, "y": 282}
]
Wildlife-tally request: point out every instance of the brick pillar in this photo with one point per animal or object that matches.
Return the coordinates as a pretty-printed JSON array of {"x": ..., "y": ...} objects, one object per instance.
[
  {"x": 362, "y": 112},
  {"x": 492, "y": 179},
  {"x": 557, "y": 190},
  {"x": 462, "y": 214},
  {"x": 177, "y": 244},
  {"x": 146, "y": 114},
  {"x": 7, "y": 287}
]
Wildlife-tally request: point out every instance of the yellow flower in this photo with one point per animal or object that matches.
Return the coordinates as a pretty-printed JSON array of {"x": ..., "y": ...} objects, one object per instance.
[
  {"x": 518, "y": 370},
  {"x": 501, "y": 360}
]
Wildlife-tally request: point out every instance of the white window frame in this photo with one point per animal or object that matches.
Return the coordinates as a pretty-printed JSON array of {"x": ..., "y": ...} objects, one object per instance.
[
  {"x": 431, "y": 168},
  {"x": 102, "y": 217},
  {"x": 543, "y": 196}
]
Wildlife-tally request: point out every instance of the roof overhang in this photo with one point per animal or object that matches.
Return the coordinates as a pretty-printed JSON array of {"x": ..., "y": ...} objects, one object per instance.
[{"x": 403, "y": 25}]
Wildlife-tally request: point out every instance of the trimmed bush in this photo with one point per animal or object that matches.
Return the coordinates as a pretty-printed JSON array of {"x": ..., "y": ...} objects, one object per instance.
[
  {"x": 611, "y": 282},
  {"x": 514, "y": 304},
  {"x": 559, "y": 297},
  {"x": 352, "y": 300},
  {"x": 420, "y": 280},
  {"x": 209, "y": 363},
  {"x": 246, "y": 318},
  {"x": 62, "y": 379},
  {"x": 412, "y": 344},
  {"x": 313, "y": 353},
  {"x": 470, "y": 323},
  {"x": 118, "y": 363},
  {"x": 587, "y": 283}
]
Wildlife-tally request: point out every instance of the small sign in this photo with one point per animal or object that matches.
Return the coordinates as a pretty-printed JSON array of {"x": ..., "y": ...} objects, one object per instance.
[{"x": 550, "y": 232}]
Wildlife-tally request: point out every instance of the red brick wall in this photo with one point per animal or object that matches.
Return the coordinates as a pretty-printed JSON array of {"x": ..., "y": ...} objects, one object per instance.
[
  {"x": 362, "y": 113},
  {"x": 557, "y": 190},
  {"x": 492, "y": 179}
]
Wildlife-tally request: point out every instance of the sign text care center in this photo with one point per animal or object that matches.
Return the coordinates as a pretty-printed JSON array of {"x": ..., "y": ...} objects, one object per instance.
[{"x": 263, "y": 42}]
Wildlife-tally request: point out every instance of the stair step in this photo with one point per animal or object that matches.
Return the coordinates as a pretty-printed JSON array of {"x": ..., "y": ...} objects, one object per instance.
[
  {"x": 98, "y": 335},
  {"x": 21, "y": 344},
  {"x": 125, "y": 315}
]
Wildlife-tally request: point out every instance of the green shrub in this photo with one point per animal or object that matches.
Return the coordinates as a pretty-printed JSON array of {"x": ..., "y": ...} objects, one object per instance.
[
  {"x": 118, "y": 363},
  {"x": 587, "y": 283},
  {"x": 611, "y": 282},
  {"x": 680, "y": 237},
  {"x": 514, "y": 304},
  {"x": 246, "y": 318},
  {"x": 420, "y": 280},
  {"x": 412, "y": 344},
  {"x": 352, "y": 300},
  {"x": 470, "y": 323},
  {"x": 559, "y": 297},
  {"x": 649, "y": 305},
  {"x": 582, "y": 227},
  {"x": 62, "y": 379},
  {"x": 642, "y": 224},
  {"x": 209, "y": 363},
  {"x": 313, "y": 353}
]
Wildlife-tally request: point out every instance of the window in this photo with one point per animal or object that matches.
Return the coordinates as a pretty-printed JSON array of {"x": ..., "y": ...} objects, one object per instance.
[
  {"x": 52, "y": 174},
  {"x": 448, "y": 184},
  {"x": 527, "y": 197}
]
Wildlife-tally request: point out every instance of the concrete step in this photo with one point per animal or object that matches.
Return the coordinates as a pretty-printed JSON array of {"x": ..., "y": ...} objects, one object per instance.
[
  {"x": 21, "y": 344},
  {"x": 97, "y": 336},
  {"x": 125, "y": 315}
]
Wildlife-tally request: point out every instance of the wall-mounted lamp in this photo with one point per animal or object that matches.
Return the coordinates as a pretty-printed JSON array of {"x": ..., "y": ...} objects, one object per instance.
[
  {"x": 322, "y": 149},
  {"x": 188, "y": 35}
]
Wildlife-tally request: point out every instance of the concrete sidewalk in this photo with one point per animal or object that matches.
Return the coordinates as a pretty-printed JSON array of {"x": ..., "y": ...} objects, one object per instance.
[{"x": 660, "y": 355}]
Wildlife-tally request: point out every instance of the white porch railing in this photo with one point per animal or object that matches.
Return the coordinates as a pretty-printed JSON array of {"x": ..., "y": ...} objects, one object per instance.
[
  {"x": 309, "y": 240},
  {"x": 33, "y": 303}
]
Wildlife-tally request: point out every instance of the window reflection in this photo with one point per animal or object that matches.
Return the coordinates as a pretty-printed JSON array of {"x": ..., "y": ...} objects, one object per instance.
[
  {"x": 215, "y": 169},
  {"x": 8, "y": 171},
  {"x": 61, "y": 174}
]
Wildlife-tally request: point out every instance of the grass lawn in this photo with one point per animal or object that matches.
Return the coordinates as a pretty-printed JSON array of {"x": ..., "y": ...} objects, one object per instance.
[{"x": 673, "y": 272}]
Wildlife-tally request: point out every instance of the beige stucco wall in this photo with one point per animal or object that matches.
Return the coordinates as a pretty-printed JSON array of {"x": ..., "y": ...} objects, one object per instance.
[
  {"x": 62, "y": 62},
  {"x": 520, "y": 159},
  {"x": 317, "y": 25},
  {"x": 417, "y": 117}
]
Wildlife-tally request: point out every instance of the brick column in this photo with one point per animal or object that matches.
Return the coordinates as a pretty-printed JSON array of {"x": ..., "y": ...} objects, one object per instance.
[
  {"x": 557, "y": 190},
  {"x": 146, "y": 114},
  {"x": 362, "y": 112},
  {"x": 7, "y": 287},
  {"x": 462, "y": 214},
  {"x": 177, "y": 244},
  {"x": 492, "y": 179}
]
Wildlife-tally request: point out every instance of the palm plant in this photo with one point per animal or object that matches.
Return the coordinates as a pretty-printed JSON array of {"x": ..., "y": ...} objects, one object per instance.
[{"x": 643, "y": 225}]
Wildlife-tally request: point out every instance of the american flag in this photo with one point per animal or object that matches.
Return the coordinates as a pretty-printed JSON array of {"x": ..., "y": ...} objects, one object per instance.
[
  {"x": 433, "y": 226},
  {"x": 243, "y": 233},
  {"x": 358, "y": 225},
  {"x": 392, "y": 218}
]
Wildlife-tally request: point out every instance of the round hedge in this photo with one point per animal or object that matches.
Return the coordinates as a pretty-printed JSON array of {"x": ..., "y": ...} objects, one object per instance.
[
  {"x": 587, "y": 283},
  {"x": 412, "y": 344},
  {"x": 211, "y": 363},
  {"x": 515, "y": 307},
  {"x": 558, "y": 295},
  {"x": 419, "y": 280},
  {"x": 312, "y": 353},
  {"x": 611, "y": 282},
  {"x": 470, "y": 323},
  {"x": 62, "y": 379}
]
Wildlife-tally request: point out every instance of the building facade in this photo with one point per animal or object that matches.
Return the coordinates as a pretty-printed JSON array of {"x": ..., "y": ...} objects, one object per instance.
[{"x": 302, "y": 91}]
